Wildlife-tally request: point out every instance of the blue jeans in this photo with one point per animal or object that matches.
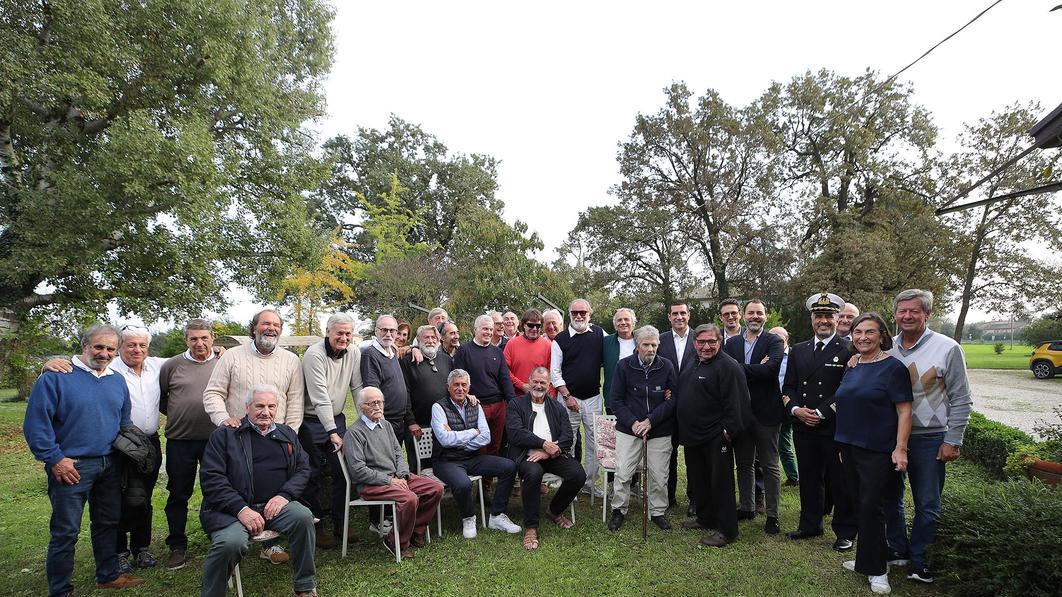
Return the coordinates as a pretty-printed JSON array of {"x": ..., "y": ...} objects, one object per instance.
[
  {"x": 926, "y": 475},
  {"x": 454, "y": 474},
  {"x": 101, "y": 487}
]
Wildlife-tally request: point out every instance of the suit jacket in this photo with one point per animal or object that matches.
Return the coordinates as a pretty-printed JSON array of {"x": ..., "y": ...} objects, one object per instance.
[
  {"x": 811, "y": 382},
  {"x": 610, "y": 356},
  {"x": 766, "y": 398},
  {"x": 520, "y": 427},
  {"x": 667, "y": 350}
]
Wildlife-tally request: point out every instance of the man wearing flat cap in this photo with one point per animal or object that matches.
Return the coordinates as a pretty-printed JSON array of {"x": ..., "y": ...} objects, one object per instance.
[{"x": 812, "y": 376}]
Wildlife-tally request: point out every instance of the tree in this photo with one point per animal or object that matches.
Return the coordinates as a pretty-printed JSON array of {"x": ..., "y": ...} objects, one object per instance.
[
  {"x": 708, "y": 164},
  {"x": 309, "y": 292},
  {"x": 151, "y": 153},
  {"x": 1045, "y": 329},
  {"x": 1000, "y": 240}
]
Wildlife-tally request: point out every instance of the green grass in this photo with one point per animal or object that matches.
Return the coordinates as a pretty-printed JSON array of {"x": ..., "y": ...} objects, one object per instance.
[
  {"x": 586, "y": 560},
  {"x": 983, "y": 356}
]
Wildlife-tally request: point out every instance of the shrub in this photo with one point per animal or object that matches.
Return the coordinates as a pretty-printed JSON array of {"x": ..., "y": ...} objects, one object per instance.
[
  {"x": 998, "y": 348},
  {"x": 1022, "y": 456},
  {"x": 1000, "y": 539},
  {"x": 988, "y": 443}
]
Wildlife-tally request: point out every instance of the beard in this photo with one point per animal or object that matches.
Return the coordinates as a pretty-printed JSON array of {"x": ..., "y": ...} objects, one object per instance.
[
  {"x": 430, "y": 351},
  {"x": 580, "y": 326},
  {"x": 754, "y": 326},
  {"x": 265, "y": 342},
  {"x": 539, "y": 395}
]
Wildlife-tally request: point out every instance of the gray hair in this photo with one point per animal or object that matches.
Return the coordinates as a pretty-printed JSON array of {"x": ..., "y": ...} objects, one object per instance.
[
  {"x": 492, "y": 314},
  {"x": 554, "y": 312},
  {"x": 97, "y": 330},
  {"x": 538, "y": 369},
  {"x": 133, "y": 331},
  {"x": 377, "y": 322},
  {"x": 457, "y": 373},
  {"x": 262, "y": 388},
  {"x": 582, "y": 300},
  {"x": 707, "y": 327},
  {"x": 634, "y": 318},
  {"x": 254, "y": 320},
  {"x": 923, "y": 296},
  {"x": 646, "y": 331},
  {"x": 198, "y": 324},
  {"x": 425, "y": 328},
  {"x": 338, "y": 319},
  {"x": 359, "y": 398},
  {"x": 437, "y": 311},
  {"x": 482, "y": 318}
]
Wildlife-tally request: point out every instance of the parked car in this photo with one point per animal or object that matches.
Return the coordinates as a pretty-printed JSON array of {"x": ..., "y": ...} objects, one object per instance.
[{"x": 1046, "y": 360}]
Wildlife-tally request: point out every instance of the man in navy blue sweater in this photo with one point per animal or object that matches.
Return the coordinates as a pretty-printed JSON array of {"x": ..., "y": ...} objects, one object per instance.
[
  {"x": 71, "y": 422},
  {"x": 489, "y": 375}
]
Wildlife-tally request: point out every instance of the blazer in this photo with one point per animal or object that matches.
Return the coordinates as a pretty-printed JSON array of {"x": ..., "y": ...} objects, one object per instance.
[
  {"x": 667, "y": 350},
  {"x": 811, "y": 382},
  {"x": 520, "y": 425},
  {"x": 766, "y": 398},
  {"x": 610, "y": 355}
]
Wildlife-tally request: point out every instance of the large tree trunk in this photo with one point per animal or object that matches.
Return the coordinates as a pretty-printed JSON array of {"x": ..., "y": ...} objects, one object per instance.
[{"x": 969, "y": 277}]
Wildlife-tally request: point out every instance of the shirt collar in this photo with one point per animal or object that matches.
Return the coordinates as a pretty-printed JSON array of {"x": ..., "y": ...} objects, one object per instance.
[
  {"x": 188, "y": 355},
  {"x": 898, "y": 340},
  {"x": 333, "y": 353},
  {"x": 77, "y": 362},
  {"x": 271, "y": 429},
  {"x": 369, "y": 422},
  {"x": 683, "y": 336},
  {"x": 827, "y": 340},
  {"x": 572, "y": 332},
  {"x": 377, "y": 346}
]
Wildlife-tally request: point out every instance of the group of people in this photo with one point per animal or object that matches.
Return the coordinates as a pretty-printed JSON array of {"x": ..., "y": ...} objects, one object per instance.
[{"x": 862, "y": 409}]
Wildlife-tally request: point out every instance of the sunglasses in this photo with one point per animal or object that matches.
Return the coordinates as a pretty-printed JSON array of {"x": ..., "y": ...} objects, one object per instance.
[
  {"x": 578, "y": 313},
  {"x": 532, "y": 325}
]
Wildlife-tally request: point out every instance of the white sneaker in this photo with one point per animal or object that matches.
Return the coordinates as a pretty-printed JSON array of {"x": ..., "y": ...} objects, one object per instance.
[
  {"x": 880, "y": 584},
  {"x": 468, "y": 527},
  {"x": 383, "y": 529},
  {"x": 501, "y": 522},
  {"x": 848, "y": 565}
]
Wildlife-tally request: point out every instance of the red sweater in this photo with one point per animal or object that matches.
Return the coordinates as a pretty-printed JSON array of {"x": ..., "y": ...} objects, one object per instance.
[{"x": 523, "y": 357}]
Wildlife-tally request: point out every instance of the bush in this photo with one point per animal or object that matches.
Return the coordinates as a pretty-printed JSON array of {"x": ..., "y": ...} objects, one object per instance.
[
  {"x": 988, "y": 443},
  {"x": 998, "y": 348},
  {"x": 1000, "y": 539},
  {"x": 1022, "y": 456}
]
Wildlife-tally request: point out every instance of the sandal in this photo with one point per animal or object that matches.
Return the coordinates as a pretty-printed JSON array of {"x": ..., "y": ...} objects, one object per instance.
[
  {"x": 561, "y": 520},
  {"x": 531, "y": 539}
]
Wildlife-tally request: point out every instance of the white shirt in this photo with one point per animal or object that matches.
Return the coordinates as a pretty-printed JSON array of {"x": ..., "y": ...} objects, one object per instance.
[
  {"x": 376, "y": 344},
  {"x": 81, "y": 365},
  {"x": 626, "y": 347},
  {"x": 680, "y": 346},
  {"x": 825, "y": 341},
  {"x": 143, "y": 392},
  {"x": 556, "y": 357},
  {"x": 541, "y": 427}
]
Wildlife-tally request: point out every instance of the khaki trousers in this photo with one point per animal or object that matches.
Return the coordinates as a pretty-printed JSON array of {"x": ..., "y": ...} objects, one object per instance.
[{"x": 629, "y": 459}]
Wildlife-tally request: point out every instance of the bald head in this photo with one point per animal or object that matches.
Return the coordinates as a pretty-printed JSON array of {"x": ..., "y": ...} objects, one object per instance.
[
  {"x": 781, "y": 333},
  {"x": 844, "y": 319}
]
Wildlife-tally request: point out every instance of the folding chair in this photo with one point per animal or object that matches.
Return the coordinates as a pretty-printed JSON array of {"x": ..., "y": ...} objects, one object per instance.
[
  {"x": 605, "y": 436},
  {"x": 424, "y": 448},
  {"x": 551, "y": 478},
  {"x": 360, "y": 502}
]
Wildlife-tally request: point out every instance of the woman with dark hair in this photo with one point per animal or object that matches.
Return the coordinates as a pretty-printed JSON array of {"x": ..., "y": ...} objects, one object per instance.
[
  {"x": 873, "y": 424},
  {"x": 404, "y": 330}
]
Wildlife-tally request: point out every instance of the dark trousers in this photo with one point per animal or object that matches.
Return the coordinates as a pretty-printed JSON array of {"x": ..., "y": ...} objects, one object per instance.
[
  {"x": 672, "y": 472},
  {"x": 134, "y": 530},
  {"x": 871, "y": 481},
  {"x": 817, "y": 461},
  {"x": 101, "y": 487},
  {"x": 454, "y": 474},
  {"x": 317, "y": 445},
  {"x": 183, "y": 457},
  {"x": 568, "y": 469},
  {"x": 710, "y": 467}
]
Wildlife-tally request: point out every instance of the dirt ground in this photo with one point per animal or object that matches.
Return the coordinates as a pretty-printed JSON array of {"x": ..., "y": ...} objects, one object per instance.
[{"x": 1015, "y": 397}]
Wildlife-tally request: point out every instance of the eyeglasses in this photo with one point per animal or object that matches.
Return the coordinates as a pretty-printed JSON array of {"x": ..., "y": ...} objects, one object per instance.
[
  {"x": 578, "y": 313},
  {"x": 532, "y": 325},
  {"x": 706, "y": 342},
  {"x": 387, "y": 330}
]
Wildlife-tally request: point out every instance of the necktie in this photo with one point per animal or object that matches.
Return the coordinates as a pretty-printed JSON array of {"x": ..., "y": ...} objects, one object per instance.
[{"x": 818, "y": 348}]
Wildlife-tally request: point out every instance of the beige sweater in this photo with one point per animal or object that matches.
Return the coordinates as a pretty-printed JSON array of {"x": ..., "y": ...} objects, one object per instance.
[{"x": 242, "y": 368}]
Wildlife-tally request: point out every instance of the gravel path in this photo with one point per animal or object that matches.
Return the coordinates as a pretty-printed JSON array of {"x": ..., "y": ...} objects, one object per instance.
[{"x": 1015, "y": 397}]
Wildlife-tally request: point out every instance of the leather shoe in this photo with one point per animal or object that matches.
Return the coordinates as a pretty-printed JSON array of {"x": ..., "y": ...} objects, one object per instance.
[
  {"x": 124, "y": 581},
  {"x": 616, "y": 521},
  {"x": 692, "y": 525},
  {"x": 661, "y": 522},
  {"x": 324, "y": 540},
  {"x": 714, "y": 540},
  {"x": 771, "y": 528},
  {"x": 417, "y": 540},
  {"x": 802, "y": 534},
  {"x": 842, "y": 545},
  {"x": 745, "y": 515}
]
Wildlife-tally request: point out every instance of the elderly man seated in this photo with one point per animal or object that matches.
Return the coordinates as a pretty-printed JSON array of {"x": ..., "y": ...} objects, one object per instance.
[
  {"x": 459, "y": 430},
  {"x": 641, "y": 398},
  {"x": 251, "y": 476},
  {"x": 540, "y": 436},
  {"x": 378, "y": 472}
]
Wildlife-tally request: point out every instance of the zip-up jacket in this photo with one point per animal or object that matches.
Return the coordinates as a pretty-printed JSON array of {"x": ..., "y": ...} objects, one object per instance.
[
  {"x": 226, "y": 473},
  {"x": 638, "y": 393}
]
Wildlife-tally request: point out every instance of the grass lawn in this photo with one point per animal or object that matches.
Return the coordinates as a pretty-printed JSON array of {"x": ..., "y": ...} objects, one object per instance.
[
  {"x": 587, "y": 560},
  {"x": 983, "y": 356}
]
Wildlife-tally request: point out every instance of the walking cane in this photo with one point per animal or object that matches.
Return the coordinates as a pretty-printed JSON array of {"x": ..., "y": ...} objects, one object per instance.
[{"x": 645, "y": 486}]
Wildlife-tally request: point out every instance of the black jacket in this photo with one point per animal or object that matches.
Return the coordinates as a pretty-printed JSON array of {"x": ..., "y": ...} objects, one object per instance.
[
  {"x": 811, "y": 382},
  {"x": 637, "y": 394},
  {"x": 225, "y": 472},
  {"x": 762, "y": 379},
  {"x": 520, "y": 425},
  {"x": 710, "y": 400}
]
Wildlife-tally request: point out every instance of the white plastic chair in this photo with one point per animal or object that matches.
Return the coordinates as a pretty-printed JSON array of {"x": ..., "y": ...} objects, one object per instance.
[
  {"x": 424, "y": 449},
  {"x": 605, "y": 437},
  {"x": 360, "y": 502},
  {"x": 550, "y": 478}
]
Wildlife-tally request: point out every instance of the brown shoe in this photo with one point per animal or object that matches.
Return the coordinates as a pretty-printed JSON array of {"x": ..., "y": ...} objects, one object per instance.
[
  {"x": 124, "y": 581},
  {"x": 692, "y": 525},
  {"x": 325, "y": 540},
  {"x": 417, "y": 540},
  {"x": 407, "y": 553},
  {"x": 714, "y": 540},
  {"x": 177, "y": 559}
]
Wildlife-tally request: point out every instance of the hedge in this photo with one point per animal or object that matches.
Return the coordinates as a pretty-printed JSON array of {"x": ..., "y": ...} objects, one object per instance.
[
  {"x": 1000, "y": 538},
  {"x": 988, "y": 443}
]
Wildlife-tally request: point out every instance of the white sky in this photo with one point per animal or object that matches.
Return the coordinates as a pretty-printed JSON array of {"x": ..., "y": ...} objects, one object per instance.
[{"x": 550, "y": 88}]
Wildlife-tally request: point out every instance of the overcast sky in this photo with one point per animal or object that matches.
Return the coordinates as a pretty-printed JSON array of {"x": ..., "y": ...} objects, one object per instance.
[{"x": 550, "y": 88}]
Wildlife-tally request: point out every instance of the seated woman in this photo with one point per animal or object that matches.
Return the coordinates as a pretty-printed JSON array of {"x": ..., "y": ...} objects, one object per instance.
[{"x": 873, "y": 425}]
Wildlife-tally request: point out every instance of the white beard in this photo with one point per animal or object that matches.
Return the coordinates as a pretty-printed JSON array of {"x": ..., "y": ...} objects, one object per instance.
[{"x": 430, "y": 351}]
